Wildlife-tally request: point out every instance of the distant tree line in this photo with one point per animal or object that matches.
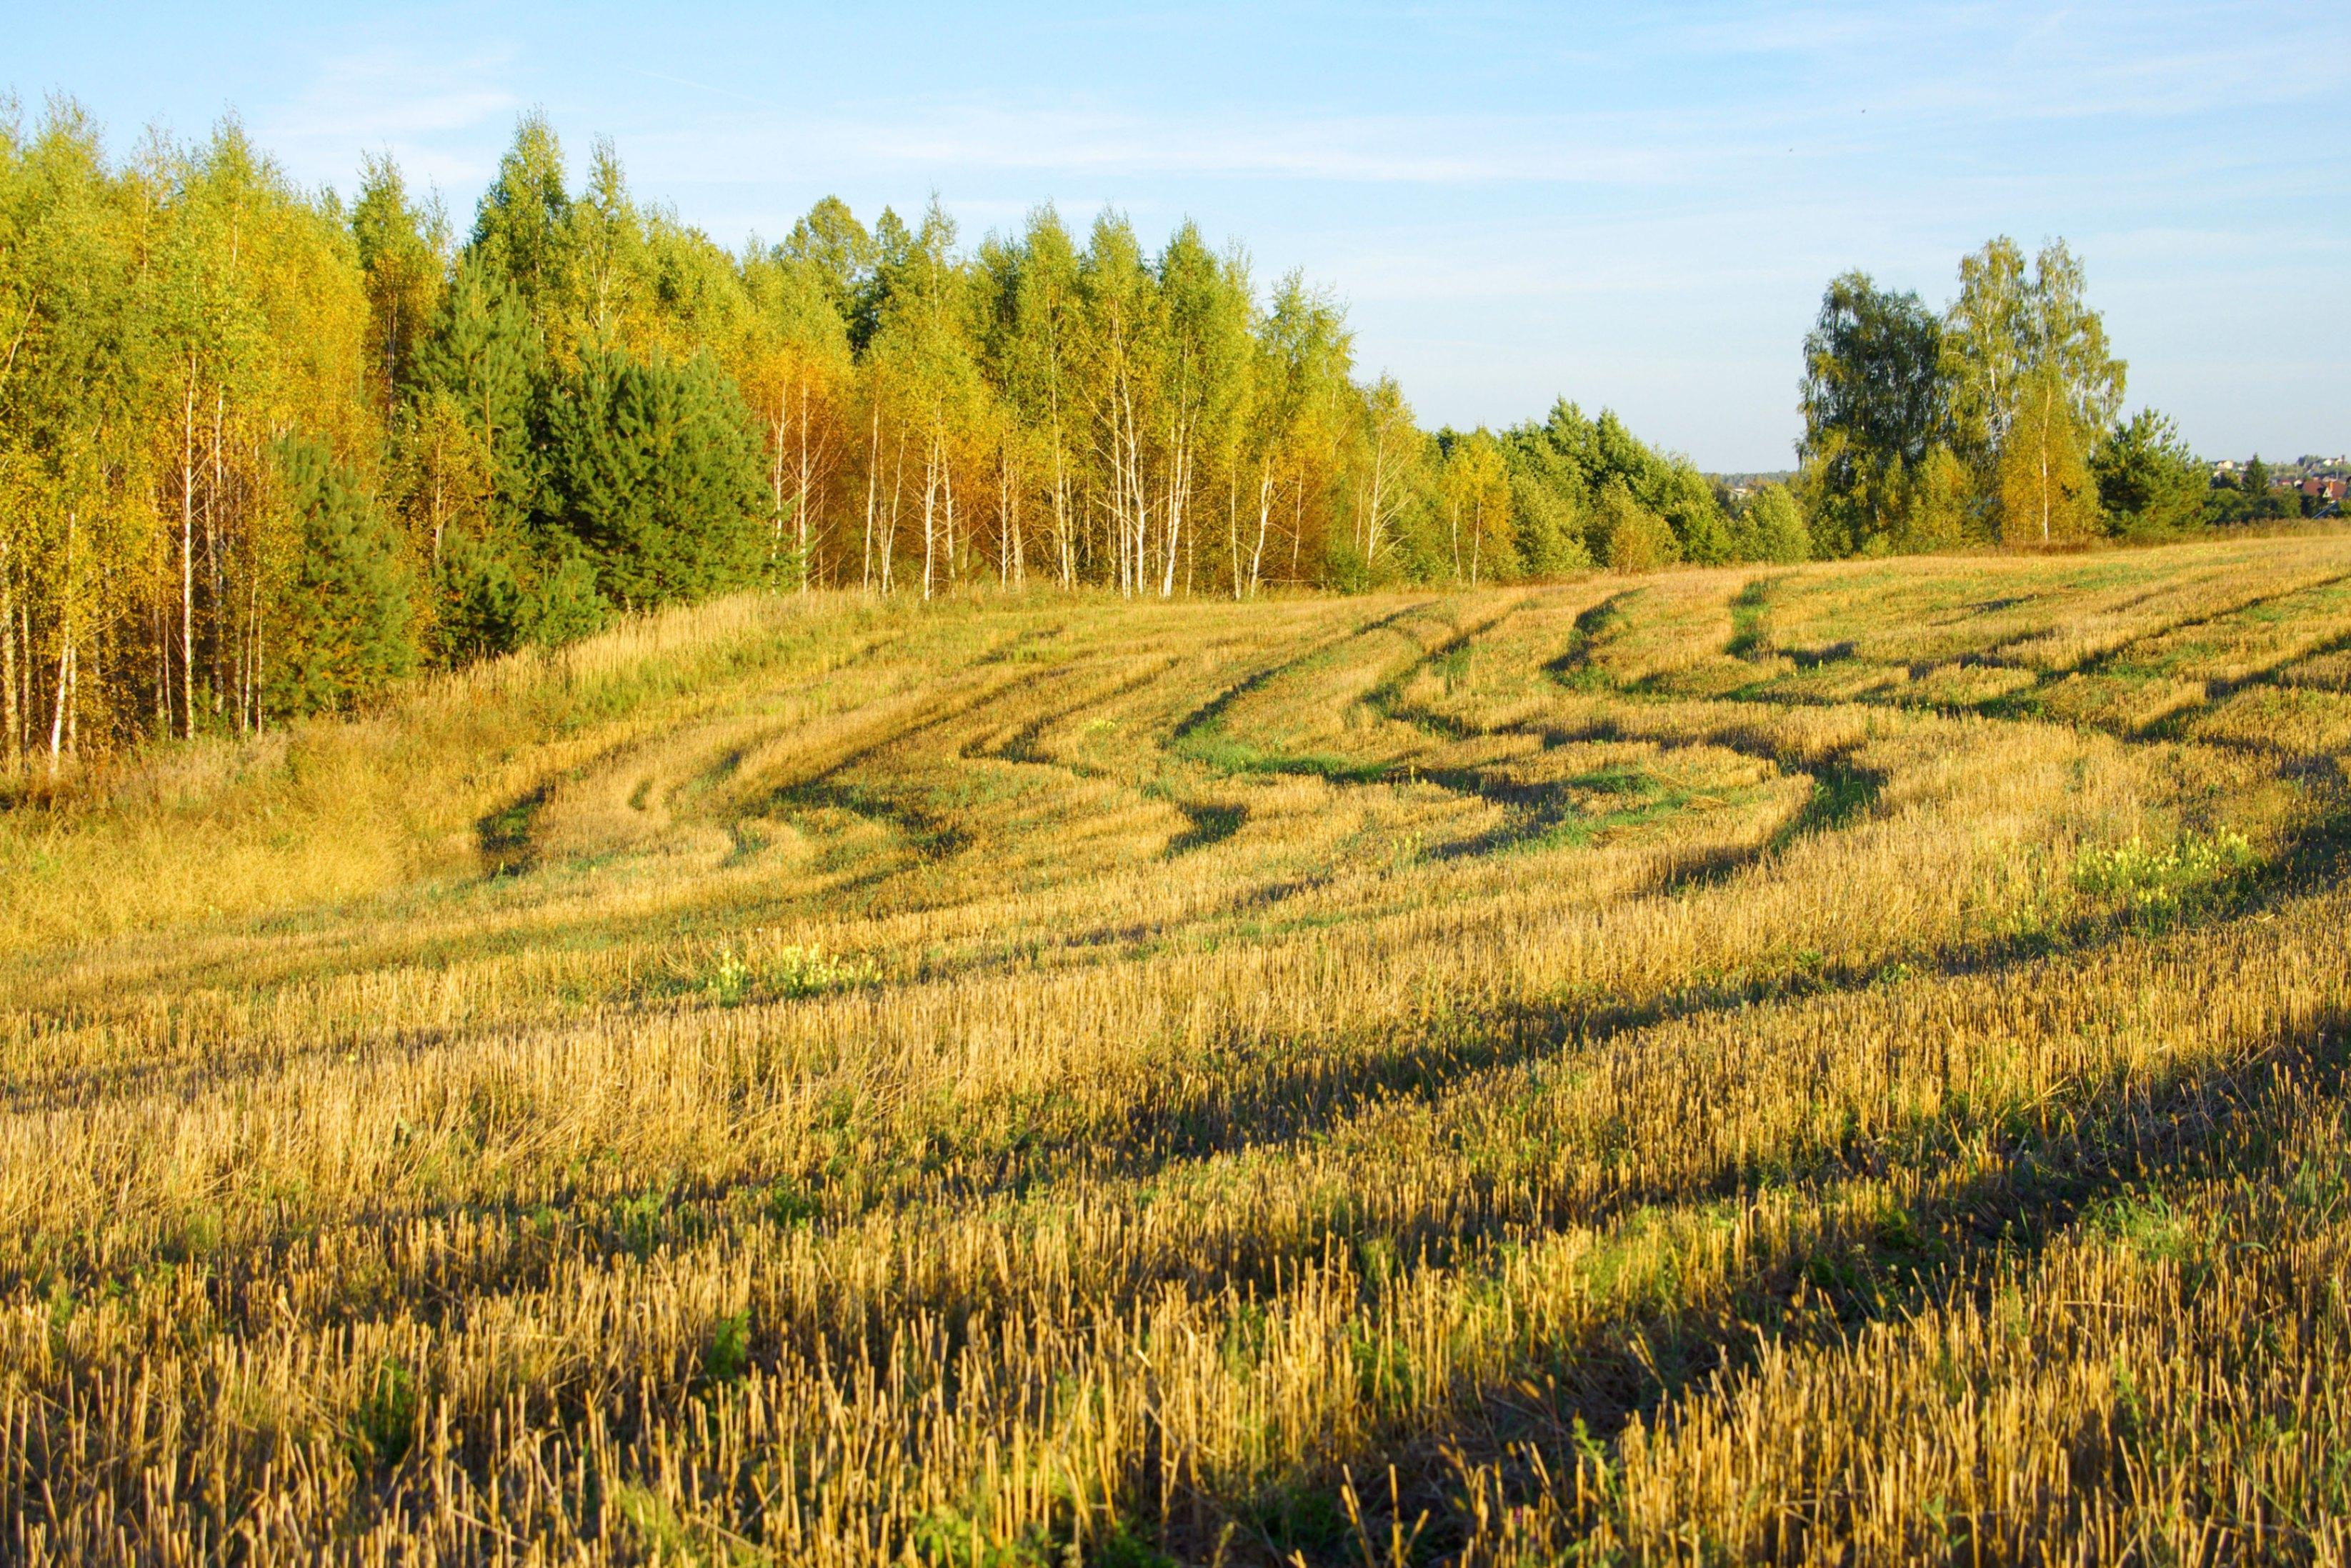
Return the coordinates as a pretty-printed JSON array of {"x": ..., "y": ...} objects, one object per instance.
[
  {"x": 1995, "y": 422},
  {"x": 261, "y": 452},
  {"x": 2255, "y": 494},
  {"x": 264, "y": 452}
]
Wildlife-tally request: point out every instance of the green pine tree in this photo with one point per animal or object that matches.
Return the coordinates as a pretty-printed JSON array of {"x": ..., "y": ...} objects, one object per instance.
[
  {"x": 2149, "y": 484},
  {"x": 344, "y": 633},
  {"x": 484, "y": 360},
  {"x": 478, "y": 602},
  {"x": 654, "y": 479}
]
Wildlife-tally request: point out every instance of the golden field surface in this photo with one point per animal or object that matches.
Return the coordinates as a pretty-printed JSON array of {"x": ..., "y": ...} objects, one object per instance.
[{"x": 1840, "y": 1063}]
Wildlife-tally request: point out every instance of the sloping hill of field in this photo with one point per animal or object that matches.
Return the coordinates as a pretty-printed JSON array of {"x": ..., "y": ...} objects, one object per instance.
[{"x": 1837, "y": 1063}]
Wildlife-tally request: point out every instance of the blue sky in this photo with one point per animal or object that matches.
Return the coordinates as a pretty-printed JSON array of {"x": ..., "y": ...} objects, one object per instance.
[{"x": 1631, "y": 206}]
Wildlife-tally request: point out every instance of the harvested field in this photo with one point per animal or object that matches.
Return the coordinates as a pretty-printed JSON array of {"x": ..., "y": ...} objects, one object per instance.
[{"x": 1838, "y": 1063}]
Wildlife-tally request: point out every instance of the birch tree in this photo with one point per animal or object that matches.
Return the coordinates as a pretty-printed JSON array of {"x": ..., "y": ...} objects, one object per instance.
[
  {"x": 1037, "y": 360},
  {"x": 1203, "y": 358},
  {"x": 796, "y": 371}
]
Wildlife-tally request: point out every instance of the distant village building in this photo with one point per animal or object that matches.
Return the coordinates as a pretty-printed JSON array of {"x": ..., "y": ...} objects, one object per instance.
[{"x": 2324, "y": 477}]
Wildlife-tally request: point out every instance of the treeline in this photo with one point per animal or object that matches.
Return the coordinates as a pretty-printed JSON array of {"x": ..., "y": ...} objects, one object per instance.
[
  {"x": 2254, "y": 494},
  {"x": 1996, "y": 421},
  {"x": 263, "y": 452}
]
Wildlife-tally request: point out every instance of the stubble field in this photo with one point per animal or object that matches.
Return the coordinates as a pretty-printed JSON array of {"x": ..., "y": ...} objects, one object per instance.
[{"x": 1841, "y": 1063}]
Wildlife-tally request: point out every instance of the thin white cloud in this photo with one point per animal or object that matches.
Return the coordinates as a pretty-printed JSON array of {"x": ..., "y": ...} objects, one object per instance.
[
  {"x": 440, "y": 118},
  {"x": 1450, "y": 150}
]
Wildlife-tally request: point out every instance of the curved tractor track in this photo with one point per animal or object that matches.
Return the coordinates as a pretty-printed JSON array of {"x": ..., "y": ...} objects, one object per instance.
[{"x": 1834, "y": 1062}]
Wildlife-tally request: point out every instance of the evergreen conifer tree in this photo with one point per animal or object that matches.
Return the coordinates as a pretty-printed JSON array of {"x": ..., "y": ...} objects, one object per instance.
[
  {"x": 478, "y": 604},
  {"x": 2149, "y": 484},
  {"x": 654, "y": 479},
  {"x": 345, "y": 632}
]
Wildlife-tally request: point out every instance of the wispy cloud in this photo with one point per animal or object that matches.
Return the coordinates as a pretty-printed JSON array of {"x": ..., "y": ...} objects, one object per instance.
[
  {"x": 441, "y": 117},
  {"x": 1439, "y": 150},
  {"x": 1355, "y": 149}
]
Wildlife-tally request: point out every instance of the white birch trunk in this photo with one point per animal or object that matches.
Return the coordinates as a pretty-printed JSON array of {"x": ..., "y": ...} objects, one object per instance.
[
  {"x": 930, "y": 494},
  {"x": 872, "y": 481},
  {"x": 8, "y": 713},
  {"x": 187, "y": 568}
]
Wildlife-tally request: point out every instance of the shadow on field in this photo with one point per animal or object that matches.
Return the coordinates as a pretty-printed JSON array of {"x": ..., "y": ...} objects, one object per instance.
[
  {"x": 1210, "y": 824},
  {"x": 1277, "y": 1094},
  {"x": 1594, "y": 627},
  {"x": 1561, "y": 1404},
  {"x": 504, "y": 836},
  {"x": 1815, "y": 1284}
]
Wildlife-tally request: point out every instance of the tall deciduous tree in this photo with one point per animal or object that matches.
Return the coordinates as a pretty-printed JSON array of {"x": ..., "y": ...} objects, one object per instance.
[
  {"x": 923, "y": 341},
  {"x": 1391, "y": 443},
  {"x": 402, "y": 251},
  {"x": 1300, "y": 366},
  {"x": 1635, "y": 538},
  {"x": 2046, "y": 495},
  {"x": 1476, "y": 488},
  {"x": 1875, "y": 404},
  {"x": 1045, "y": 378},
  {"x": 837, "y": 248},
  {"x": 1986, "y": 348},
  {"x": 1774, "y": 527},
  {"x": 524, "y": 236},
  {"x": 2015, "y": 335},
  {"x": 1203, "y": 319},
  {"x": 1123, "y": 344},
  {"x": 796, "y": 376}
]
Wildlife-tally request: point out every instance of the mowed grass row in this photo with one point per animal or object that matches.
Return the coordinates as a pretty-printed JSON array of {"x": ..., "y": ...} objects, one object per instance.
[{"x": 1726, "y": 1065}]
